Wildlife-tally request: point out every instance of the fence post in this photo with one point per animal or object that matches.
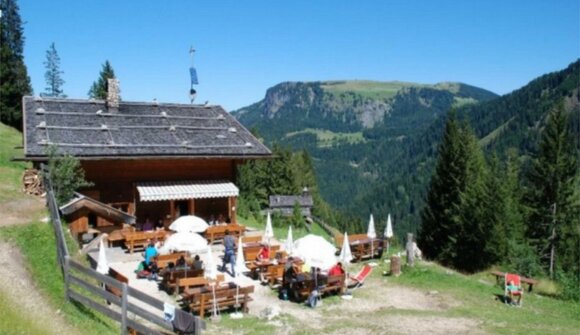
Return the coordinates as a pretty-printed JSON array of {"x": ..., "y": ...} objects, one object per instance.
[
  {"x": 66, "y": 270},
  {"x": 410, "y": 251},
  {"x": 124, "y": 299}
]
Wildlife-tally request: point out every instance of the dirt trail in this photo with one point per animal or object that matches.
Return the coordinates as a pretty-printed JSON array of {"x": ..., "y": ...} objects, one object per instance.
[{"x": 16, "y": 283}]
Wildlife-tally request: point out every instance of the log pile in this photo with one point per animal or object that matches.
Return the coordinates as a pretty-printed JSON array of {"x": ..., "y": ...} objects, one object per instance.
[{"x": 32, "y": 182}]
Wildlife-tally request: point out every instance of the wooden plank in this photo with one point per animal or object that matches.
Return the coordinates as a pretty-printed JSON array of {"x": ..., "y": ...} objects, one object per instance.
[
  {"x": 92, "y": 273},
  {"x": 146, "y": 315},
  {"x": 124, "y": 309},
  {"x": 95, "y": 305},
  {"x": 145, "y": 298},
  {"x": 98, "y": 291}
]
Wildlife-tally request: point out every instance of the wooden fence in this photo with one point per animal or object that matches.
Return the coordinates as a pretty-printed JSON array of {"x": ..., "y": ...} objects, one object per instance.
[{"x": 86, "y": 286}]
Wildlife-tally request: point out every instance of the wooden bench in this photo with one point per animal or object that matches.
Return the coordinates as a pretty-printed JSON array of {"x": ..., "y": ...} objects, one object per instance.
[
  {"x": 164, "y": 260},
  {"x": 120, "y": 277},
  {"x": 169, "y": 281},
  {"x": 326, "y": 285},
  {"x": 225, "y": 298},
  {"x": 274, "y": 275},
  {"x": 142, "y": 238},
  {"x": 218, "y": 232},
  {"x": 499, "y": 278},
  {"x": 189, "y": 282}
]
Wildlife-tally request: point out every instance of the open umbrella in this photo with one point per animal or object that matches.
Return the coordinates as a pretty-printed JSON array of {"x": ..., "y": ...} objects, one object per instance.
[
  {"x": 371, "y": 233},
  {"x": 240, "y": 268},
  {"x": 184, "y": 241},
  {"x": 189, "y": 223},
  {"x": 316, "y": 251},
  {"x": 289, "y": 244},
  {"x": 388, "y": 232},
  {"x": 102, "y": 263}
]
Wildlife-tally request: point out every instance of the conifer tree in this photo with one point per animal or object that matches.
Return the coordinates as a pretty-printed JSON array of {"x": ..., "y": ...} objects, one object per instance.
[
  {"x": 14, "y": 80},
  {"x": 53, "y": 74},
  {"x": 100, "y": 87},
  {"x": 437, "y": 228},
  {"x": 552, "y": 221}
]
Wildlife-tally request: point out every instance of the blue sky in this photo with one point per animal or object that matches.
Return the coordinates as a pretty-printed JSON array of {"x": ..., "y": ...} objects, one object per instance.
[{"x": 245, "y": 47}]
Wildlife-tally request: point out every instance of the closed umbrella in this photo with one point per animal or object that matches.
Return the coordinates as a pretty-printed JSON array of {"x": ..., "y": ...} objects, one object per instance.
[
  {"x": 316, "y": 251},
  {"x": 289, "y": 245},
  {"x": 345, "y": 257},
  {"x": 189, "y": 223},
  {"x": 240, "y": 268},
  {"x": 371, "y": 233},
  {"x": 388, "y": 232},
  {"x": 210, "y": 273},
  {"x": 269, "y": 232},
  {"x": 184, "y": 241},
  {"x": 102, "y": 263}
]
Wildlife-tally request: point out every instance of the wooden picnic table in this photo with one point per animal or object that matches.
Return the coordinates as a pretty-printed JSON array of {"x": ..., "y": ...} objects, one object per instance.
[
  {"x": 366, "y": 248},
  {"x": 226, "y": 295},
  {"x": 498, "y": 274},
  {"x": 264, "y": 265}
]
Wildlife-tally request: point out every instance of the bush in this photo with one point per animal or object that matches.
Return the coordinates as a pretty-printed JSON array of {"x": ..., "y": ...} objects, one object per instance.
[
  {"x": 522, "y": 259},
  {"x": 570, "y": 286}
]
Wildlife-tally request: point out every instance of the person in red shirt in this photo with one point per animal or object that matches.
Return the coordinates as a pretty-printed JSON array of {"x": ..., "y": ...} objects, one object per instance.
[
  {"x": 336, "y": 270},
  {"x": 263, "y": 254}
]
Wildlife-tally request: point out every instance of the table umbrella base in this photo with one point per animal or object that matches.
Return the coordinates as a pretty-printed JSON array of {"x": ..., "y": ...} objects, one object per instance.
[
  {"x": 373, "y": 264},
  {"x": 346, "y": 297}
]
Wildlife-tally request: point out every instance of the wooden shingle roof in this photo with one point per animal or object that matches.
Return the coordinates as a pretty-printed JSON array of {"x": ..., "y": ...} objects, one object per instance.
[{"x": 87, "y": 129}]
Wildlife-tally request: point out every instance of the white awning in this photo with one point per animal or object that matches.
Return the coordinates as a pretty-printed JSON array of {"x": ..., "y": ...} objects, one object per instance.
[{"x": 179, "y": 190}]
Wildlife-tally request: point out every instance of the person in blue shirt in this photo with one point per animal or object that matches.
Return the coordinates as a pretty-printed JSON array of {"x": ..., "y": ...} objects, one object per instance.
[
  {"x": 230, "y": 252},
  {"x": 150, "y": 252}
]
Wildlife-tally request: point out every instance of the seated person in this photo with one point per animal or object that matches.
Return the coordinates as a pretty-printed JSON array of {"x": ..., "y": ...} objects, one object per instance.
[
  {"x": 336, "y": 270},
  {"x": 159, "y": 225},
  {"x": 514, "y": 290},
  {"x": 170, "y": 267},
  {"x": 148, "y": 225},
  {"x": 153, "y": 270},
  {"x": 143, "y": 270},
  {"x": 220, "y": 219},
  {"x": 211, "y": 221},
  {"x": 181, "y": 263},
  {"x": 150, "y": 252},
  {"x": 263, "y": 254},
  {"x": 197, "y": 263}
]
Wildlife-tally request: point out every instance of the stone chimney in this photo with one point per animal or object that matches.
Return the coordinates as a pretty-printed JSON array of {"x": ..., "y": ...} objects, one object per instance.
[{"x": 113, "y": 95}]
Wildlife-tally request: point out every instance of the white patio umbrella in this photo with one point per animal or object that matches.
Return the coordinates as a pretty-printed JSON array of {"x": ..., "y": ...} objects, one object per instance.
[
  {"x": 240, "y": 268},
  {"x": 102, "y": 263},
  {"x": 345, "y": 257},
  {"x": 388, "y": 232},
  {"x": 184, "y": 241},
  {"x": 210, "y": 273},
  {"x": 289, "y": 244},
  {"x": 345, "y": 253},
  {"x": 269, "y": 232},
  {"x": 189, "y": 223},
  {"x": 316, "y": 251},
  {"x": 372, "y": 234}
]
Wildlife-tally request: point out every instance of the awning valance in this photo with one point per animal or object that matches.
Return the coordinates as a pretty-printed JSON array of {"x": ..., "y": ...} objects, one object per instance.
[{"x": 180, "y": 190}]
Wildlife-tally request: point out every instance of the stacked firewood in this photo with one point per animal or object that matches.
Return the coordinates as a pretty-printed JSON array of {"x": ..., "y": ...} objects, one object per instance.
[{"x": 32, "y": 182}]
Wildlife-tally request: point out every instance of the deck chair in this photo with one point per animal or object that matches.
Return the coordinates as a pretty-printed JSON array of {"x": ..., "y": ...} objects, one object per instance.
[
  {"x": 360, "y": 277},
  {"x": 510, "y": 277}
]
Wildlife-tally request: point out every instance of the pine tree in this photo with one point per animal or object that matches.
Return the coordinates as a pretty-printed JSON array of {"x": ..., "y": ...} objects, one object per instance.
[
  {"x": 443, "y": 197},
  {"x": 550, "y": 196},
  {"x": 101, "y": 86},
  {"x": 14, "y": 80},
  {"x": 53, "y": 74}
]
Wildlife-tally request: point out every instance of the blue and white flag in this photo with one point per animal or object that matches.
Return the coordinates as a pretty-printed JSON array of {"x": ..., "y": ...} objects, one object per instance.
[{"x": 193, "y": 74}]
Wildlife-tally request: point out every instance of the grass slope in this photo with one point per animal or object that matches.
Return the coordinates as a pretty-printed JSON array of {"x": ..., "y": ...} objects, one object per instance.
[
  {"x": 36, "y": 242},
  {"x": 327, "y": 138}
]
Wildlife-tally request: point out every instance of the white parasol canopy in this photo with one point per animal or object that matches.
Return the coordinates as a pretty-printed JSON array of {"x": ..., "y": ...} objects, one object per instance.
[
  {"x": 371, "y": 233},
  {"x": 269, "y": 232},
  {"x": 240, "y": 266},
  {"x": 102, "y": 263},
  {"x": 184, "y": 241},
  {"x": 189, "y": 223},
  {"x": 345, "y": 254},
  {"x": 289, "y": 244},
  {"x": 210, "y": 271},
  {"x": 389, "y": 228},
  {"x": 315, "y": 251}
]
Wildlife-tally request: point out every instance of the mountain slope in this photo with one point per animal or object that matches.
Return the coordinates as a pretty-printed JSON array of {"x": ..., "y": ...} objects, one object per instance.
[{"x": 342, "y": 123}]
